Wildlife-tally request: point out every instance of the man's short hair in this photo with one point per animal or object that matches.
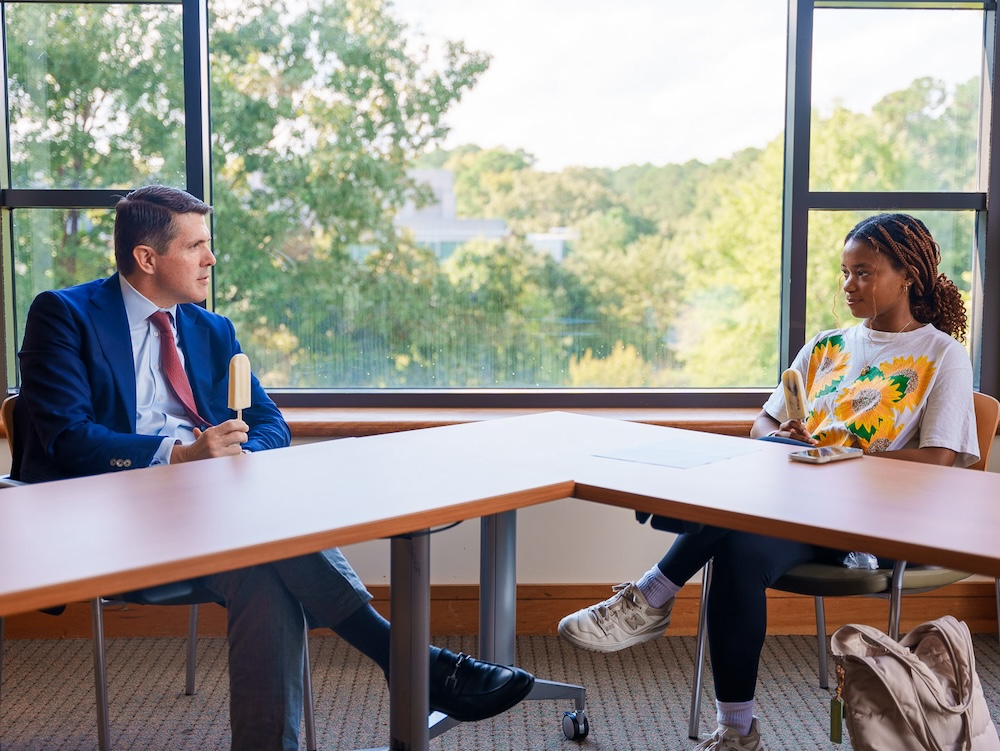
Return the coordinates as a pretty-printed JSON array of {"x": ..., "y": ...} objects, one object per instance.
[{"x": 146, "y": 217}]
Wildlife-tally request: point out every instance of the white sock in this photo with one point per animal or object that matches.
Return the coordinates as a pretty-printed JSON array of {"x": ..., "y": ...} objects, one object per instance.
[
  {"x": 656, "y": 588},
  {"x": 735, "y": 714}
]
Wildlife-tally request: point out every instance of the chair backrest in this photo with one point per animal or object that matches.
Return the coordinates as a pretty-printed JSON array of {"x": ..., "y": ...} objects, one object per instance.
[
  {"x": 7, "y": 412},
  {"x": 987, "y": 417}
]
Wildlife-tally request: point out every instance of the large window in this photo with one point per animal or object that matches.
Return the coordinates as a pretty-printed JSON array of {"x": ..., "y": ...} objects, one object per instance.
[
  {"x": 862, "y": 139},
  {"x": 421, "y": 200}
]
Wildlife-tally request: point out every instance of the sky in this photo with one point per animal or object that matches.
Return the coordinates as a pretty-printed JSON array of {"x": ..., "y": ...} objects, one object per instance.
[{"x": 590, "y": 83}]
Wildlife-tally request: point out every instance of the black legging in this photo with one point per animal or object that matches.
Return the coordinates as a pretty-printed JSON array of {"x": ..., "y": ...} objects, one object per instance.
[{"x": 745, "y": 566}]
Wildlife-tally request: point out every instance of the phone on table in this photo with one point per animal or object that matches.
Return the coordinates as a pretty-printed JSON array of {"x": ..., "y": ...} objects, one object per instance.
[{"x": 825, "y": 454}]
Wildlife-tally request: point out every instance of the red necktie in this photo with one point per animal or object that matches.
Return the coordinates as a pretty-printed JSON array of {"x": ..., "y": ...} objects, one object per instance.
[{"x": 170, "y": 363}]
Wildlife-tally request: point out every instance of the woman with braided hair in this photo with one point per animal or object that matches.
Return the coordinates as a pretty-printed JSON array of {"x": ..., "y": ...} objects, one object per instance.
[
  {"x": 898, "y": 385},
  {"x": 905, "y": 241}
]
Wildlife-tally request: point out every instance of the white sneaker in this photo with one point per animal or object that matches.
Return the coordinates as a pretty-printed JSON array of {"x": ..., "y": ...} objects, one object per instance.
[
  {"x": 623, "y": 621},
  {"x": 727, "y": 739}
]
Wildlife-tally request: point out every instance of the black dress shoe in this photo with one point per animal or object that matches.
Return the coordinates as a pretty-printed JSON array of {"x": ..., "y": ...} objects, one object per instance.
[{"x": 469, "y": 689}]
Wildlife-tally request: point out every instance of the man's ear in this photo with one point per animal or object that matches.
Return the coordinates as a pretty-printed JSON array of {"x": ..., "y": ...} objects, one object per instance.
[{"x": 145, "y": 259}]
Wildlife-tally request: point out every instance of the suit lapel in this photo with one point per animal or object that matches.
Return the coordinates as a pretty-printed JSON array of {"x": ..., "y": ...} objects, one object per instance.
[{"x": 107, "y": 312}]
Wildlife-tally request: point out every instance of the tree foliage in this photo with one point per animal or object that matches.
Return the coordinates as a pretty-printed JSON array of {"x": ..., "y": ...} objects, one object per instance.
[
  {"x": 671, "y": 276},
  {"x": 95, "y": 102}
]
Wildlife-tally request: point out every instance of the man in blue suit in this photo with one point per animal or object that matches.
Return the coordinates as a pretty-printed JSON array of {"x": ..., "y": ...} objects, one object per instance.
[{"x": 94, "y": 399}]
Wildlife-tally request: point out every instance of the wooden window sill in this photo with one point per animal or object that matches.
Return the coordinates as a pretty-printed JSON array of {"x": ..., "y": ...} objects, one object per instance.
[
  {"x": 353, "y": 422},
  {"x": 348, "y": 422}
]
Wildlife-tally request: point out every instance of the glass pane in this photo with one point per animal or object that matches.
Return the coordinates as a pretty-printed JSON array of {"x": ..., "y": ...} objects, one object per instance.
[
  {"x": 895, "y": 99},
  {"x": 96, "y": 95},
  {"x": 55, "y": 248},
  {"x": 424, "y": 195},
  {"x": 953, "y": 231}
]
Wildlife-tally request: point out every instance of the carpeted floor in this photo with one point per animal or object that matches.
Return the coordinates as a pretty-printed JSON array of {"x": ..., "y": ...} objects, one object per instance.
[{"x": 636, "y": 700}]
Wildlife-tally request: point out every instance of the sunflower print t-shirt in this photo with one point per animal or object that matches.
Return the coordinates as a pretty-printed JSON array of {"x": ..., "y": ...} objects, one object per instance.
[{"x": 882, "y": 391}]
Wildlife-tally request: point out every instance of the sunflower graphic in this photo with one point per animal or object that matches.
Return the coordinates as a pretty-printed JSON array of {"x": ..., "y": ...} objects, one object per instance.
[
  {"x": 837, "y": 435},
  {"x": 817, "y": 421},
  {"x": 884, "y": 437},
  {"x": 867, "y": 402},
  {"x": 917, "y": 372},
  {"x": 828, "y": 364}
]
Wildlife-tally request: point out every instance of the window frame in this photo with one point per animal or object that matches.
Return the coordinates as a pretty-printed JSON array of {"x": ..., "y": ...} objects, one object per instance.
[{"x": 797, "y": 202}]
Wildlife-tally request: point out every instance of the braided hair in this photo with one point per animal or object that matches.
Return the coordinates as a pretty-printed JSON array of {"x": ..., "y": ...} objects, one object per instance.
[{"x": 908, "y": 245}]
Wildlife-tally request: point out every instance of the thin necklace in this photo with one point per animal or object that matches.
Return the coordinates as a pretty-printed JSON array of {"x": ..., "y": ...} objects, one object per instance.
[{"x": 864, "y": 347}]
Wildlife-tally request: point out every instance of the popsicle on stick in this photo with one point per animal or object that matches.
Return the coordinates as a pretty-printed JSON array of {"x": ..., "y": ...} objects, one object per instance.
[
  {"x": 796, "y": 401},
  {"x": 239, "y": 384}
]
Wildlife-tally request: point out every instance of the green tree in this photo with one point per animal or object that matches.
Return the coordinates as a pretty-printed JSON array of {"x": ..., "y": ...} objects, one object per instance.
[
  {"x": 519, "y": 313},
  {"x": 634, "y": 276},
  {"x": 727, "y": 327},
  {"x": 406, "y": 319},
  {"x": 533, "y": 201},
  {"x": 476, "y": 172},
  {"x": 731, "y": 239},
  {"x": 664, "y": 194},
  {"x": 95, "y": 102},
  {"x": 317, "y": 113}
]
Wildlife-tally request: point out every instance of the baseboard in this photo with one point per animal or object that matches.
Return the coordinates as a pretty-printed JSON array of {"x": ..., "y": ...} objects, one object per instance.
[{"x": 455, "y": 610}]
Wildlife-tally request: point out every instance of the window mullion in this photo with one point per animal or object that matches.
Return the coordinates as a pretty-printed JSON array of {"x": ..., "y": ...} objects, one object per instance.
[{"x": 795, "y": 206}]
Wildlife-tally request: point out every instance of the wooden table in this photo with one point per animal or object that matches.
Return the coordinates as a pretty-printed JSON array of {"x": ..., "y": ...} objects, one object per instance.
[
  {"x": 81, "y": 538},
  {"x": 896, "y": 509}
]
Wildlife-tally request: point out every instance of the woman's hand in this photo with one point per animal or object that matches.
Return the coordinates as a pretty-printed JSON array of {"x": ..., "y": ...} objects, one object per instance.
[
  {"x": 765, "y": 425},
  {"x": 795, "y": 430}
]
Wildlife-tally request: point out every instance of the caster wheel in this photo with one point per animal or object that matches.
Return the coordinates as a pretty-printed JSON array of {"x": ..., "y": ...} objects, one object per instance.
[{"x": 575, "y": 725}]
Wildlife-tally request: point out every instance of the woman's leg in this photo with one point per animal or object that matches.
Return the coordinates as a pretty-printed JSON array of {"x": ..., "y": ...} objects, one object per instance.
[
  {"x": 745, "y": 566},
  {"x": 640, "y": 612},
  {"x": 690, "y": 552}
]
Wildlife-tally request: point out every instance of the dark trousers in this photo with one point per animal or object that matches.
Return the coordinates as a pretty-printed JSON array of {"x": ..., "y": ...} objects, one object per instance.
[
  {"x": 745, "y": 566},
  {"x": 267, "y": 607}
]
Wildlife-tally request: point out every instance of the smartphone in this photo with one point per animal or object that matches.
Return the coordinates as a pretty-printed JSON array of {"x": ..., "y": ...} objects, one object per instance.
[{"x": 825, "y": 454}]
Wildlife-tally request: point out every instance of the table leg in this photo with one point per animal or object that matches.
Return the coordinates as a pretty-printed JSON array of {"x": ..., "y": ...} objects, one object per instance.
[
  {"x": 410, "y": 642},
  {"x": 498, "y": 615},
  {"x": 410, "y": 616},
  {"x": 498, "y": 587}
]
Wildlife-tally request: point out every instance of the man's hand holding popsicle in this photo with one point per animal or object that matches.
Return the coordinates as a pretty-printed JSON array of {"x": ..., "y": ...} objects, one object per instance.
[{"x": 227, "y": 438}]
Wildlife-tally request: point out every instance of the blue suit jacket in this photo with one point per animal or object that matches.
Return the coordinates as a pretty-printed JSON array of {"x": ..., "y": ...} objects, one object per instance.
[{"x": 76, "y": 412}]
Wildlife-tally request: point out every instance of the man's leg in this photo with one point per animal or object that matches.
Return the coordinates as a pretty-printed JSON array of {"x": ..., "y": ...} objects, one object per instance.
[
  {"x": 265, "y": 632},
  {"x": 326, "y": 586},
  {"x": 333, "y": 596}
]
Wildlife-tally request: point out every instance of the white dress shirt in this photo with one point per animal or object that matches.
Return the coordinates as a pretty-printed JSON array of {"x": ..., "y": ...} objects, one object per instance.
[{"x": 158, "y": 411}]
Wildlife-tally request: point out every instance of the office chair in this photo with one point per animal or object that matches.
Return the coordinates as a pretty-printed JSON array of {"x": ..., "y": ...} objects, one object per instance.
[
  {"x": 178, "y": 593},
  {"x": 820, "y": 580}
]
